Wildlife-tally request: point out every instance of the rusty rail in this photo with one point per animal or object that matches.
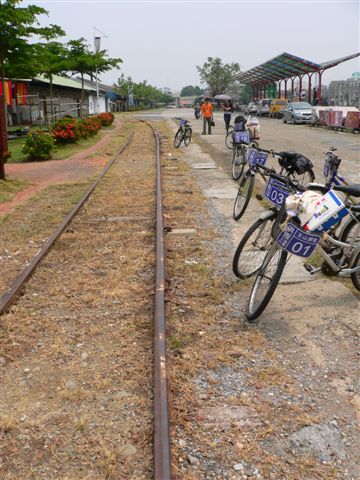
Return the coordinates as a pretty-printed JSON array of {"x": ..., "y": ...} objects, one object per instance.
[
  {"x": 8, "y": 298},
  {"x": 162, "y": 457}
]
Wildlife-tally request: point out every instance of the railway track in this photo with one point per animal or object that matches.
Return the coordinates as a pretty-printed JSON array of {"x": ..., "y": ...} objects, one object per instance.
[{"x": 85, "y": 399}]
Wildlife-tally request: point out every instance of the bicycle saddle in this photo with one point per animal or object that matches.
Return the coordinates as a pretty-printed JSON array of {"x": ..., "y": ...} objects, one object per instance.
[
  {"x": 290, "y": 155},
  {"x": 353, "y": 189}
]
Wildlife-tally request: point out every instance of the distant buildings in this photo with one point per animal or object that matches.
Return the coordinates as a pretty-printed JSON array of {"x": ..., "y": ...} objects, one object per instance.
[{"x": 345, "y": 92}]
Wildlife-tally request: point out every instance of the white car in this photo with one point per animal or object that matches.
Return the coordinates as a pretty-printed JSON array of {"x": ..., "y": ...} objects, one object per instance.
[{"x": 251, "y": 108}]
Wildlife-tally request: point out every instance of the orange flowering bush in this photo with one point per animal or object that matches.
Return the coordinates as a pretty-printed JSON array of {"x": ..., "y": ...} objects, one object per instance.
[
  {"x": 106, "y": 118},
  {"x": 64, "y": 131}
]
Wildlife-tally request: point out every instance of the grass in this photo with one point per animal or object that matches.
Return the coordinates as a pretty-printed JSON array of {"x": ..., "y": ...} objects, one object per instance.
[
  {"x": 62, "y": 152},
  {"x": 9, "y": 187}
]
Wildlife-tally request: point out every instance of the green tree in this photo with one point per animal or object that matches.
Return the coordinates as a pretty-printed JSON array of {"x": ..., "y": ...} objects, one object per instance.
[
  {"x": 17, "y": 26},
  {"x": 218, "y": 76},
  {"x": 190, "y": 91},
  {"x": 85, "y": 62},
  {"x": 52, "y": 59}
]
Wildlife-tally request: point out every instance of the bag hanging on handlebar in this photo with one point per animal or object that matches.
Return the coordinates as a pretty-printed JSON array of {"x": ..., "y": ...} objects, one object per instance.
[{"x": 299, "y": 164}]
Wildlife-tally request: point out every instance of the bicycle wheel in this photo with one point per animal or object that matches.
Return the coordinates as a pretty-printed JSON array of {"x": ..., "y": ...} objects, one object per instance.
[
  {"x": 243, "y": 196},
  {"x": 229, "y": 140},
  {"x": 302, "y": 179},
  {"x": 179, "y": 136},
  {"x": 355, "y": 262},
  {"x": 187, "y": 136},
  {"x": 351, "y": 230},
  {"x": 266, "y": 281},
  {"x": 238, "y": 161},
  {"x": 254, "y": 246}
]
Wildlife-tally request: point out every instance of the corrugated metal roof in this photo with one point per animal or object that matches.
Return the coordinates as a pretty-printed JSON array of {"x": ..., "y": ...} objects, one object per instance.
[
  {"x": 285, "y": 66},
  {"x": 65, "y": 82}
]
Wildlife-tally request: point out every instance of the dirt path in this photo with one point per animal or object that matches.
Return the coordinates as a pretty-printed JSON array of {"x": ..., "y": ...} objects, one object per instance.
[{"x": 77, "y": 168}]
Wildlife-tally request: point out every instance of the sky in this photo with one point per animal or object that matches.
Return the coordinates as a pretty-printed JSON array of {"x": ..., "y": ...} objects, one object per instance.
[{"x": 163, "y": 41}]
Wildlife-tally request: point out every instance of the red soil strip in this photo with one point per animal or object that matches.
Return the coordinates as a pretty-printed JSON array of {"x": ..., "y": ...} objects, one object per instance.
[{"x": 77, "y": 168}]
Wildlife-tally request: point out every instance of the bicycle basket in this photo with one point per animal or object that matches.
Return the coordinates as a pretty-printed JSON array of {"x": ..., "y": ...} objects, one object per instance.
[
  {"x": 297, "y": 163},
  {"x": 331, "y": 164}
]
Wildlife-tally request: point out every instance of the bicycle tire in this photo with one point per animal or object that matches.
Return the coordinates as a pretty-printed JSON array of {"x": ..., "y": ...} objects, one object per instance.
[
  {"x": 179, "y": 136},
  {"x": 350, "y": 228},
  {"x": 187, "y": 136},
  {"x": 355, "y": 262},
  {"x": 302, "y": 178},
  {"x": 238, "y": 162},
  {"x": 253, "y": 246},
  {"x": 243, "y": 195},
  {"x": 266, "y": 282},
  {"x": 229, "y": 140}
]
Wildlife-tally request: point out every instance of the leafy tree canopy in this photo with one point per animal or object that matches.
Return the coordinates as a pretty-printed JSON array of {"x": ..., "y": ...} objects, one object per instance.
[
  {"x": 190, "y": 91},
  {"x": 218, "y": 76},
  {"x": 143, "y": 93},
  {"x": 17, "y": 25}
]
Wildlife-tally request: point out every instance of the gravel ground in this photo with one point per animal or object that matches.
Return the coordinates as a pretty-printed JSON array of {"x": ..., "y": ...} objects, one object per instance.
[{"x": 297, "y": 370}]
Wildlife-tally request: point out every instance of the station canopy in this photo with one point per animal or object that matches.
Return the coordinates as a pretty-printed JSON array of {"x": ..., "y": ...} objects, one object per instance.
[{"x": 286, "y": 66}]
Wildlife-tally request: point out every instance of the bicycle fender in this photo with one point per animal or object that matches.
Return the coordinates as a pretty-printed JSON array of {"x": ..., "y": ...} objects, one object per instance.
[{"x": 267, "y": 214}]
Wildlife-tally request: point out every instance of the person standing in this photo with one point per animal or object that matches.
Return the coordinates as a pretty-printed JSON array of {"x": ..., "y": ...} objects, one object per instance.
[
  {"x": 207, "y": 113},
  {"x": 227, "y": 107}
]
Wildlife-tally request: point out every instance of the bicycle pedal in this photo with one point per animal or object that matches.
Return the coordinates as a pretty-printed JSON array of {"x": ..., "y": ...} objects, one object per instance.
[
  {"x": 259, "y": 196},
  {"x": 309, "y": 268}
]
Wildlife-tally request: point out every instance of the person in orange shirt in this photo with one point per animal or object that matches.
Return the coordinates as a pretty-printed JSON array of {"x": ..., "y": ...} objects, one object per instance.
[{"x": 207, "y": 113}]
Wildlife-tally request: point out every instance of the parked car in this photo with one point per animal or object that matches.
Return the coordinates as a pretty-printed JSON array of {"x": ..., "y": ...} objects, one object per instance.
[
  {"x": 276, "y": 107},
  {"x": 263, "y": 107},
  {"x": 171, "y": 106},
  {"x": 299, "y": 112},
  {"x": 251, "y": 108}
]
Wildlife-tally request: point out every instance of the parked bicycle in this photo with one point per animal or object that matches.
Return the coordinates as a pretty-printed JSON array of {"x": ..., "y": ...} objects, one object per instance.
[
  {"x": 293, "y": 165},
  {"x": 183, "y": 134},
  {"x": 341, "y": 257},
  {"x": 256, "y": 241}
]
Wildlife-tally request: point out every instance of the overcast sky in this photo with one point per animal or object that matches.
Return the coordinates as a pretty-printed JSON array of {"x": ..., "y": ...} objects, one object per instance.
[{"x": 163, "y": 41}]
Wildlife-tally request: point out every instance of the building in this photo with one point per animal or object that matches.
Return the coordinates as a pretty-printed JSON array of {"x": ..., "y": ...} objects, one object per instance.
[{"x": 345, "y": 92}]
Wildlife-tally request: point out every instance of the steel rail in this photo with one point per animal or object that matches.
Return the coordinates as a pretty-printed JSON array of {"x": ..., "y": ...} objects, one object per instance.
[
  {"x": 162, "y": 456},
  {"x": 8, "y": 298}
]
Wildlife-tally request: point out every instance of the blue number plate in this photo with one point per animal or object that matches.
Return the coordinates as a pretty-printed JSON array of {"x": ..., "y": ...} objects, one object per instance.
[
  {"x": 326, "y": 170},
  {"x": 295, "y": 240},
  {"x": 275, "y": 192},
  {"x": 257, "y": 158},
  {"x": 241, "y": 137}
]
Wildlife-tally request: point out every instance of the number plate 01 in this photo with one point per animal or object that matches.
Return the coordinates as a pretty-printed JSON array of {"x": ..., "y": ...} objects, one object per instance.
[{"x": 295, "y": 240}]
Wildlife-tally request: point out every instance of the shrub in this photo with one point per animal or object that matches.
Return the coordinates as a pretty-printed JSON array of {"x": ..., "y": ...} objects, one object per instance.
[
  {"x": 106, "y": 119},
  {"x": 38, "y": 145},
  {"x": 92, "y": 124},
  {"x": 64, "y": 131},
  {"x": 81, "y": 129}
]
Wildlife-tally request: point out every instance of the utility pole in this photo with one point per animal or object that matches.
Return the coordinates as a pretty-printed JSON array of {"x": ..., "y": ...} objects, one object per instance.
[
  {"x": 3, "y": 136},
  {"x": 97, "y": 41}
]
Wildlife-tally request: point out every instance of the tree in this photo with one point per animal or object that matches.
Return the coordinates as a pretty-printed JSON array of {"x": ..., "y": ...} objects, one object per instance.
[
  {"x": 190, "y": 91},
  {"x": 218, "y": 76},
  {"x": 85, "y": 62},
  {"x": 52, "y": 59},
  {"x": 17, "y": 26}
]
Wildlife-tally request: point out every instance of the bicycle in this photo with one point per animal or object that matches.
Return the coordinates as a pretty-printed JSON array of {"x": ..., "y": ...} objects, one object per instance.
[
  {"x": 241, "y": 141},
  {"x": 256, "y": 241},
  {"x": 183, "y": 134},
  {"x": 341, "y": 257},
  {"x": 297, "y": 167}
]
